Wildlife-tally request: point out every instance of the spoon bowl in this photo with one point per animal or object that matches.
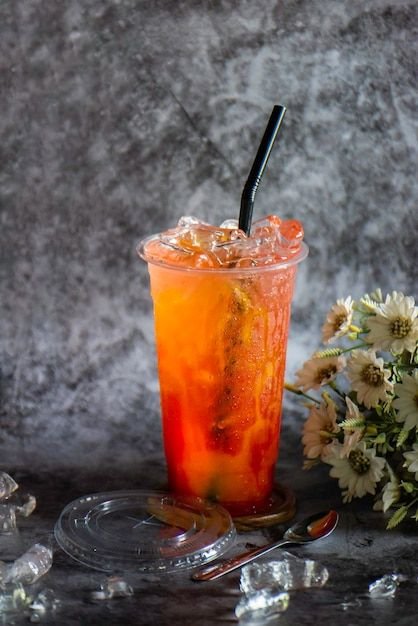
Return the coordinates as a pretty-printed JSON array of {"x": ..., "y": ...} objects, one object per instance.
[{"x": 310, "y": 529}]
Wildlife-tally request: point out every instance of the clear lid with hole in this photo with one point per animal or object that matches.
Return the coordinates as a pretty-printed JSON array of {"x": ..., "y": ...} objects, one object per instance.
[{"x": 143, "y": 531}]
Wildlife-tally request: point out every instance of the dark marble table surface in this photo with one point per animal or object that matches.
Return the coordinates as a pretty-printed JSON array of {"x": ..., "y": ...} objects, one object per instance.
[{"x": 358, "y": 552}]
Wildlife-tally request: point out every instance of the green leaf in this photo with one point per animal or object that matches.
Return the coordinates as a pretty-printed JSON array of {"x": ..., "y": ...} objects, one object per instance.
[
  {"x": 402, "y": 437},
  {"x": 409, "y": 487},
  {"x": 397, "y": 517},
  {"x": 380, "y": 438},
  {"x": 387, "y": 406},
  {"x": 397, "y": 373},
  {"x": 352, "y": 423}
]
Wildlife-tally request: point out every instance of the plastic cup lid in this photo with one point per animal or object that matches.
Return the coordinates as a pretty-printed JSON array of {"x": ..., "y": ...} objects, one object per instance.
[{"x": 143, "y": 531}]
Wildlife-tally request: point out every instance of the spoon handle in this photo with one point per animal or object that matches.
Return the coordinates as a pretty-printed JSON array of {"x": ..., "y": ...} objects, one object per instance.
[{"x": 211, "y": 572}]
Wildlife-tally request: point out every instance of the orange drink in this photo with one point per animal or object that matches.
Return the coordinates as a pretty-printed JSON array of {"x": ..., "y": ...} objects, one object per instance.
[{"x": 222, "y": 308}]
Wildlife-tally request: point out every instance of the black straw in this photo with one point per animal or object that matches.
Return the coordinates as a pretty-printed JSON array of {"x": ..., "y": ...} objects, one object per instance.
[{"x": 257, "y": 170}]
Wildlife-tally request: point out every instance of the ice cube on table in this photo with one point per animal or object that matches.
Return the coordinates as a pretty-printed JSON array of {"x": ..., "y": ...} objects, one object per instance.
[
  {"x": 11, "y": 544},
  {"x": 261, "y": 604},
  {"x": 46, "y": 602},
  {"x": 113, "y": 587},
  {"x": 384, "y": 587},
  {"x": 31, "y": 566},
  {"x": 287, "y": 573},
  {"x": 7, "y": 485},
  {"x": 23, "y": 503},
  {"x": 7, "y": 519},
  {"x": 13, "y": 598}
]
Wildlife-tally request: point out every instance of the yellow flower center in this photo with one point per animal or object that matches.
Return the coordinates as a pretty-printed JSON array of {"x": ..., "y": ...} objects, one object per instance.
[
  {"x": 372, "y": 375},
  {"x": 325, "y": 373},
  {"x": 400, "y": 327},
  {"x": 339, "y": 320},
  {"x": 359, "y": 462}
]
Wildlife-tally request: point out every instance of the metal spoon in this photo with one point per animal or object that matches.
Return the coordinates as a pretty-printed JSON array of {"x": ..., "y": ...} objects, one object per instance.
[{"x": 310, "y": 529}]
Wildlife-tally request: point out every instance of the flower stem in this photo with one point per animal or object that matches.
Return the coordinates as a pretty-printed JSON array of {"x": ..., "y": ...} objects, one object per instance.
[
  {"x": 414, "y": 501},
  {"x": 299, "y": 392},
  {"x": 335, "y": 389},
  {"x": 360, "y": 345}
]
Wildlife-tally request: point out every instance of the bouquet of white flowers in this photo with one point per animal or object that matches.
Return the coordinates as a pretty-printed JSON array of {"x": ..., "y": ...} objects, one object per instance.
[{"x": 365, "y": 422}]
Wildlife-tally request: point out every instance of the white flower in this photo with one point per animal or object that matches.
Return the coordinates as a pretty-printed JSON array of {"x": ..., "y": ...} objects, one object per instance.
[
  {"x": 406, "y": 404},
  {"x": 358, "y": 473},
  {"x": 319, "y": 428},
  {"x": 350, "y": 442},
  {"x": 411, "y": 460},
  {"x": 368, "y": 377},
  {"x": 319, "y": 371},
  {"x": 352, "y": 434},
  {"x": 338, "y": 320},
  {"x": 395, "y": 325},
  {"x": 370, "y": 302},
  {"x": 353, "y": 412}
]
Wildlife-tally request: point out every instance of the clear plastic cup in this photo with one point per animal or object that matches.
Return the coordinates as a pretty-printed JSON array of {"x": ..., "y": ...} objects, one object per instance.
[{"x": 221, "y": 338}]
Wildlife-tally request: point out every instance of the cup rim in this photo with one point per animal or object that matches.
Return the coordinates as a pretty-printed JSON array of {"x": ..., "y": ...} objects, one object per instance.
[{"x": 280, "y": 265}]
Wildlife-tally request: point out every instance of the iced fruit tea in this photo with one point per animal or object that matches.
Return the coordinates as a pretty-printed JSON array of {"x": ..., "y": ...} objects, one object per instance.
[{"x": 222, "y": 308}]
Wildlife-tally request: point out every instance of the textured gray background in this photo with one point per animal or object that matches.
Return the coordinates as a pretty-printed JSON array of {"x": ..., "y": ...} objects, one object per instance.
[{"x": 118, "y": 117}]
